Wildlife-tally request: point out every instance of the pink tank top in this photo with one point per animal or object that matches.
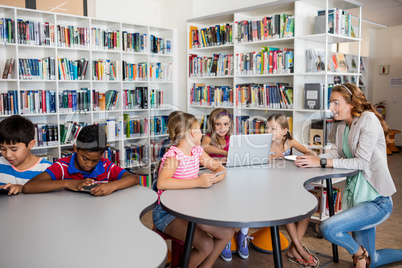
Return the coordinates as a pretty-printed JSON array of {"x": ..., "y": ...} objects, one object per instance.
[{"x": 226, "y": 148}]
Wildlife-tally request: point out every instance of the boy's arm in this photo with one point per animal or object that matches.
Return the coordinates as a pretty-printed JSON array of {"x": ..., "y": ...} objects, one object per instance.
[
  {"x": 127, "y": 180},
  {"x": 44, "y": 183},
  {"x": 210, "y": 149}
]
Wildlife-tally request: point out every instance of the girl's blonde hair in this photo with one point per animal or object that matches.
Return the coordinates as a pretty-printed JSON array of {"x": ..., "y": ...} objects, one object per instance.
[
  {"x": 283, "y": 123},
  {"x": 215, "y": 115},
  {"x": 353, "y": 95},
  {"x": 179, "y": 125}
]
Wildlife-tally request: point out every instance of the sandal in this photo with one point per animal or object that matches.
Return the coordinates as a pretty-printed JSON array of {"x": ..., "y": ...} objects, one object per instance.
[
  {"x": 356, "y": 259},
  {"x": 301, "y": 262},
  {"x": 311, "y": 262}
]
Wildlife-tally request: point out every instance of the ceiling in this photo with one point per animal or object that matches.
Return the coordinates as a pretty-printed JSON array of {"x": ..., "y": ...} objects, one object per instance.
[{"x": 385, "y": 12}]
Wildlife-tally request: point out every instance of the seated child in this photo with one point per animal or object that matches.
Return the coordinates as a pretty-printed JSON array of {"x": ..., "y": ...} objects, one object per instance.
[
  {"x": 18, "y": 164},
  {"x": 84, "y": 168},
  {"x": 216, "y": 144},
  {"x": 282, "y": 143},
  {"x": 179, "y": 170}
]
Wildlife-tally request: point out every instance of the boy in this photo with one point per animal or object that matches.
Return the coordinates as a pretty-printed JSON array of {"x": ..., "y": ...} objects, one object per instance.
[
  {"x": 84, "y": 168},
  {"x": 18, "y": 164}
]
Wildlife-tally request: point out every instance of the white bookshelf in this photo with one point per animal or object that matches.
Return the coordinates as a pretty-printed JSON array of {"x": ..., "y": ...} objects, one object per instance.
[
  {"x": 304, "y": 38},
  {"x": 91, "y": 52}
]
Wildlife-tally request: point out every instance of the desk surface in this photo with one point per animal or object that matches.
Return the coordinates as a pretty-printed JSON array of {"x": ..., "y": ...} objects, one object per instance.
[
  {"x": 253, "y": 196},
  {"x": 68, "y": 229}
]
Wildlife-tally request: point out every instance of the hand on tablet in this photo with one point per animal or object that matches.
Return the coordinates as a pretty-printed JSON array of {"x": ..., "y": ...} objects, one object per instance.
[{"x": 12, "y": 188}]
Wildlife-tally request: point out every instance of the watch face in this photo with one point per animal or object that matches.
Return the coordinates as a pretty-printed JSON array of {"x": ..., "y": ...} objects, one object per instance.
[{"x": 323, "y": 161}]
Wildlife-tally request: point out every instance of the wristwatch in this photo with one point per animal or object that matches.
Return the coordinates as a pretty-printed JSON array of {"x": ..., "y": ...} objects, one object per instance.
[{"x": 323, "y": 162}]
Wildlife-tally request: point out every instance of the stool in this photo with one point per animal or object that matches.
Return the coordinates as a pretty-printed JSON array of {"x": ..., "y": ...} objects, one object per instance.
[
  {"x": 263, "y": 240},
  {"x": 177, "y": 247},
  {"x": 391, "y": 146}
]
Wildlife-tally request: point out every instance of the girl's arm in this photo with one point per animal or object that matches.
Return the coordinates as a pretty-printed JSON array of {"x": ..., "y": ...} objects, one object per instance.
[
  {"x": 295, "y": 144},
  {"x": 210, "y": 149},
  {"x": 166, "y": 180},
  {"x": 214, "y": 165}
]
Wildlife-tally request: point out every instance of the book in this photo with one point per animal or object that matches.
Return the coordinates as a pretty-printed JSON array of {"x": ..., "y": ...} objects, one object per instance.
[{"x": 340, "y": 59}]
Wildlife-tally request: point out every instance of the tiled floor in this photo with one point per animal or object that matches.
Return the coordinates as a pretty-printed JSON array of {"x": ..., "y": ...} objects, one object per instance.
[{"x": 389, "y": 234}]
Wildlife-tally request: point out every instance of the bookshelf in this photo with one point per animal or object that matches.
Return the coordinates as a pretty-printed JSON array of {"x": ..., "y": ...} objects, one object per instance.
[
  {"x": 70, "y": 41},
  {"x": 299, "y": 41}
]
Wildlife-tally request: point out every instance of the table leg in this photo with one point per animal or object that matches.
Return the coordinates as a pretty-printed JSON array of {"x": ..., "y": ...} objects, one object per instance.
[
  {"x": 276, "y": 245},
  {"x": 331, "y": 213},
  {"x": 188, "y": 244}
]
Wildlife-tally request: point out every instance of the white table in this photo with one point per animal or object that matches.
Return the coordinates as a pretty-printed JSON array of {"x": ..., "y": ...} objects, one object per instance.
[
  {"x": 68, "y": 229},
  {"x": 253, "y": 196}
]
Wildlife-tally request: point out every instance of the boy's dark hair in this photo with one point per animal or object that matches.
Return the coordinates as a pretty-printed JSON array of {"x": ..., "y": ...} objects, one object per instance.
[
  {"x": 16, "y": 129},
  {"x": 92, "y": 138}
]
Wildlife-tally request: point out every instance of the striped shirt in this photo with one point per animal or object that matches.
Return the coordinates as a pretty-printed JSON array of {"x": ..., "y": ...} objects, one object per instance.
[
  {"x": 188, "y": 167},
  {"x": 10, "y": 174},
  {"x": 64, "y": 169}
]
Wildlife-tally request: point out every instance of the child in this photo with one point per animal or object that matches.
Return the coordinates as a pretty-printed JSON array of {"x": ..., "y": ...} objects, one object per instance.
[
  {"x": 84, "y": 168},
  {"x": 18, "y": 164},
  {"x": 282, "y": 143},
  {"x": 220, "y": 127},
  {"x": 179, "y": 170},
  {"x": 216, "y": 144}
]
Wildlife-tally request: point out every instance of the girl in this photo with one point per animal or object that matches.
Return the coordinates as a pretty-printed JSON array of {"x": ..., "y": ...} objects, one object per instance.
[
  {"x": 282, "y": 143},
  {"x": 360, "y": 144},
  {"x": 179, "y": 170},
  {"x": 216, "y": 144}
]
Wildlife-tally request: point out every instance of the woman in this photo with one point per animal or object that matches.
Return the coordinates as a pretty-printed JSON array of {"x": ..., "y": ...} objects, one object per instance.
[{"x": 360, "y": 144}]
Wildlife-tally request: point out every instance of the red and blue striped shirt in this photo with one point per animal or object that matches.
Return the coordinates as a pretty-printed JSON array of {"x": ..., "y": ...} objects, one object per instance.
[{"x": 104, "y": 171}]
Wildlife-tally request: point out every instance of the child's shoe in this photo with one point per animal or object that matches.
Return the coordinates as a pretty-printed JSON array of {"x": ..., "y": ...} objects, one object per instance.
[
  {"x": 226, "y": 254},
  {"x": 242, "y": 242}
]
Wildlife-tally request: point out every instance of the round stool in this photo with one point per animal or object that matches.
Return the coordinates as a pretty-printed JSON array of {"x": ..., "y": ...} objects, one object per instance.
[{"x": 263, "y": 241}]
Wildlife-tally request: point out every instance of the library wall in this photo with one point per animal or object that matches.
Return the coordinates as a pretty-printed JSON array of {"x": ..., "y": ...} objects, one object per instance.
[{"x": 385, "y": 49}]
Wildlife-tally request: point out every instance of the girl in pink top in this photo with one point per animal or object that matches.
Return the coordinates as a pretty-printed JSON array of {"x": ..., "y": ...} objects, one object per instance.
[{"x": 179, "y": 170}]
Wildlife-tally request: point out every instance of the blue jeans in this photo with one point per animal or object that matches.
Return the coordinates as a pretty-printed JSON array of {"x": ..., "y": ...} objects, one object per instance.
[{"x": 362, "y": 220}]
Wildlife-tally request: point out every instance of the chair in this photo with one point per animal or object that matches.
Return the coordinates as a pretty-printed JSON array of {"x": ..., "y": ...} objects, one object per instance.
[
  {"x": 262, "y": 240},
  {"x": 177, "y": 247}
]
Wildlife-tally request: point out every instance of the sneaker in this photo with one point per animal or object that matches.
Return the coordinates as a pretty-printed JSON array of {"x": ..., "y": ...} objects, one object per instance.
[
  {"x": 226, "y": 254},
  {"x": 242, "y": 242}
]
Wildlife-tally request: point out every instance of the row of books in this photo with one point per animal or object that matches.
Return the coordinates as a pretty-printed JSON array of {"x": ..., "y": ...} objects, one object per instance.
[
  {"x": 48, "y": 157},
  {"x": 156, "y": 98},
  {"x": 211, "y": 36},
  {"x": 112, "y": 154},
  {"x": 158, "y": 125},
  {"x": 72, "y": 69},
  {"x": 73, "y": 36},
  {"x": 160, "y": 45},
  {"x": 339, "y": 22},
  {"x": 134, "y": 126},
  {"x": 277, "y": 26},
  {"x": 211, "y": 95},
  {"x": 107, "y": 101},
  {"x": 35, "y": 33},
  {"x": 69, "y": 131},
  {"x": 105, "y": 70},
  {"x": 336, "y": 62},
  {"x": 37, "y": 69},
  {"x": 160, "y": 71},
  {"x": 279, "y": 96},
  {"x": 145, "y": 180},
  {"x": 38, "y": 101},
  {"x": 321, "y": 195},
  {"x": 134, "y": 71},
  {"x": 134, "y": 42},
  {"x": 113, "y": 127},
  {"x": 270, "y": 60},
  {"x": 74, "y": 100},
  {"x": 135, "y": 98},
  {"x": 217, "y": 65},
  {"x": 9, "y": 102},
  {"x": 6, "y": 30},
  {"x": 8, "y": 69},
  {"x": 107, "y": 40},
  {"x": 46, "y": 134},
  {"x": 250, "y": 125},
  {"x": 203, "y": 120},
  {"x": 136, "y": 155},
  {"x": 156, "y": 146}
]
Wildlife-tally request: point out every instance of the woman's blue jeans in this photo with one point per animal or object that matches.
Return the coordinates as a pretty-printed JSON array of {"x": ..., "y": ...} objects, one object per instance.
[{"x": 361, "y": 221}]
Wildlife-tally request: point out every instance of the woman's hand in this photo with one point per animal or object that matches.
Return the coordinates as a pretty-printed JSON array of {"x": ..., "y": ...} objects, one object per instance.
[{"x": 304, "y": 161}]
